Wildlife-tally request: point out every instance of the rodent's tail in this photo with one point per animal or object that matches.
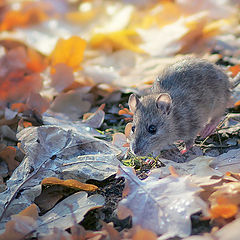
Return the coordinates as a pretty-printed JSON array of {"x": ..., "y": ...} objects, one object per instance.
[{"x": 235, "y": 81}]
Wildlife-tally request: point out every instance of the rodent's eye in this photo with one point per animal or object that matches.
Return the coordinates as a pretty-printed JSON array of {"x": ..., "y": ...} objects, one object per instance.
[
  {"x": 133, "y": 128},
  {"x": 152, "y": 129}
]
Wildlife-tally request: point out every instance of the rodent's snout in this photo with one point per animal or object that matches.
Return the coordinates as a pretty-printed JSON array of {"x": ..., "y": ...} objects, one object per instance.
[
  {"x": 133, "y": 148},
  {"x": 136, "y": 150}
]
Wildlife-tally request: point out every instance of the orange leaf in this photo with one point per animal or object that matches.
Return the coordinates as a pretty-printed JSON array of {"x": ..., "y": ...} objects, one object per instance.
[
  {"x": 27, "y": 124},
  {"x": 237, "y": 104},
  {"x": 20, "y": 107},
  {"x": 125, "y": 111},
  {"x": 234, "y": 70},
  {"x": 69, "y": 51},
  {"x": 223, "y": 210},
  {"x": 35, "y": 62},
  {"x": 143, "y": 234},
  {"x": 30, "y": 13},
  {"x": 17, "y": 85},
  {"x": 72, "y": 183}
]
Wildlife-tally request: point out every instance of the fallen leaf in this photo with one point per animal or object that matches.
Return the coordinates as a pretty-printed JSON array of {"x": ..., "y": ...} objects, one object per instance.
[
  {"x": 62, "y": 77},
  {"x": 96, "y": 119},
  {"x": 61, "y": 215},
  {"x": 226, "y": 162},
  {"x": 48, "y": 198},
  {"x": 170, "y": 36},
  {"x": 36, "y": 102},
  {"x": 8, "y": 155},
  {"x": 30, "y": 13},
  {"x": 21, "y": 224},
  {"x": 125, "y": 111},
  {"x": 31, "y": 211},
  {"x": 120, "y": 141},
  {"x": 71, "y": 183},
  {"x": 35, "y": 62},
  {"x": 69, "y": 52},
  {"x": 229, "y": 191},
  {"x": 112, "y": 232},
  {"x": 223, "y": 210},
  {"x": 68, "y": 150},
  {"x": 71, "y": 103},
  {"x": 124, "y": 39},
  {"x": 20, "y": 107},
  {"x": 234, "y": 70},
  {"x": 229, "y": 231},
  {"x": 166, "y": 204},
  {"x": 142, "y": 234}
]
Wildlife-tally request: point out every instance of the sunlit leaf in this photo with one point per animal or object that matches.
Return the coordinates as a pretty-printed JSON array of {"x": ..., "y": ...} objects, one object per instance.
[
  {"x": 69, "y": 51},
  {"x": 71, "y": 183},
  {"x": 29, "y": 14},
  {"x": 125, "y": 39}
]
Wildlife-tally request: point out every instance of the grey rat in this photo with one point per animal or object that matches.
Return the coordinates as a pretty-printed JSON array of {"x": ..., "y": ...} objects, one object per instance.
[{"x": 188, "y": 98}]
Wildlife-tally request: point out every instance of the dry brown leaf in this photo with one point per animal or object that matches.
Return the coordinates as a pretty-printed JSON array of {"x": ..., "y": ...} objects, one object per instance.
[
  {"x": 71, "y": 103},
  {"x": 112, "y": 232},
  {"x": 36, "y": 102},
  {"x": 62, "y": 77},
  {"x": 8, "y": 155},
  {"x": 120, "y": 141},
  {"x": 96, "y": 119},
  {"x": 31, "y": 211},
  {"x": 21, "y": 224},
  {"x": 71, "y": 183},
  {"x": 58, "y": 234},
  {"x": 48, "y": 198}
]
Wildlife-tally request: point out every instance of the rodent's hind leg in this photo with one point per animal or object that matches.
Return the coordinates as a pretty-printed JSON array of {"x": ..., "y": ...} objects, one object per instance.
[{"x": 210, "y": 127}]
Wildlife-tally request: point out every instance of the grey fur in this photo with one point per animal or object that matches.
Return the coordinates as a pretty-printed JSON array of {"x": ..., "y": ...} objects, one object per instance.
[{"x": 200, "y": 93}]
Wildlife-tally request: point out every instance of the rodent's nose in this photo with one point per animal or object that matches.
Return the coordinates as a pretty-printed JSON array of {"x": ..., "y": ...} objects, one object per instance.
[{"x": 136, "y": 150}]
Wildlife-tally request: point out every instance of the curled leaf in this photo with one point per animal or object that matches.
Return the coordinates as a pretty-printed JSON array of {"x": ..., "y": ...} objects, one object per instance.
[{"x": 72, "y": 183}]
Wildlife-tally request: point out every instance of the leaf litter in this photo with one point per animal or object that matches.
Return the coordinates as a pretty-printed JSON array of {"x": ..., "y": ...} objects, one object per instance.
[{"x": 60, "y": 60}]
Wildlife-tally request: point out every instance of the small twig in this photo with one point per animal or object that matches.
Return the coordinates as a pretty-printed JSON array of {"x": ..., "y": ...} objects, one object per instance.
[{"x": 220, "y": 141}]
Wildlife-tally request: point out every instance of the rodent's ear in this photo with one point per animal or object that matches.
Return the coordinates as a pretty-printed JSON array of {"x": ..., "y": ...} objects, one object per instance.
[
  {"x": 164, "y": 102},
  {"x": 133, "y": 102}
]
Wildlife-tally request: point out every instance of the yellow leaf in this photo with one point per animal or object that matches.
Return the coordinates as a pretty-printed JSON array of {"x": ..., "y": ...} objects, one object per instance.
[
  {"x": 69, "y": 51},
  {"x": 125, "y": 39},
  {"x": 215, "y": 27},
  {"x": 72, "y": 183},
  {"x": 81, "y": 17}
]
